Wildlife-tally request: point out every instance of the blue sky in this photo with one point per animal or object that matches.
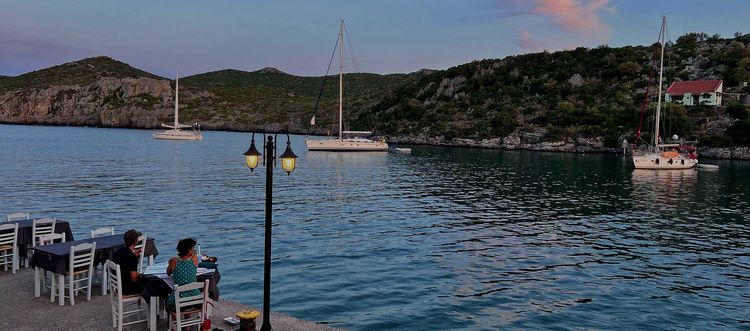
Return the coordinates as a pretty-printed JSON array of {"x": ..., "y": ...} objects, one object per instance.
[{"x": 389, "y": 36}]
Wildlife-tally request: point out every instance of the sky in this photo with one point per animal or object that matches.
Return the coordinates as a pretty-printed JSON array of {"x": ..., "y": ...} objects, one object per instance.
[{"x": 297, "y": 37}]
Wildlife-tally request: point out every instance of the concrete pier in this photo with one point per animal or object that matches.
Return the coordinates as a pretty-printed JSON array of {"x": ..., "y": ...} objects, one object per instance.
[{"x": 21, "y": 311}]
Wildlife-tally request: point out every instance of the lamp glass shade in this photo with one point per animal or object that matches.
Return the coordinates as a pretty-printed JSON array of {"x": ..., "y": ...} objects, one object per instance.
[
  {"x": 288, "y": 160},
  {"x": 252, "y": 156},
  {"x": 251, "y": 161},
  {"x": 288, "y": 164}
]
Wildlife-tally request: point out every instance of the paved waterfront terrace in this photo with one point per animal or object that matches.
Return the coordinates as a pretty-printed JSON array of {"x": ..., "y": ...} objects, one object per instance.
[
  {"x": 21, "y": 311},
  {"x": 24, "y": 307}
]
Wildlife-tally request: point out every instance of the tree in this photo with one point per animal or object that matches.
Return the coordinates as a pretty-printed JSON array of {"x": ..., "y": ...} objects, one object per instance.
[
  {"x": 687, "y": 43},
  {"x": 629, "y": 68}
]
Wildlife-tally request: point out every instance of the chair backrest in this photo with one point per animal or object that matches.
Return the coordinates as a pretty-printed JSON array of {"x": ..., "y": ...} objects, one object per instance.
[
  {"x": 115, "y": 285},
  {"x": 9, "y": 234},
  {"x": 41, "y": 227},
  {"x": 47, "y": 239},
  {"x": 16, "y": 216},
  {"x": 105, "y": 231},
  {"x": 192, "y": 301},
  {"x": 141, "y": 244},
  {"x": 82, "y": 256}
]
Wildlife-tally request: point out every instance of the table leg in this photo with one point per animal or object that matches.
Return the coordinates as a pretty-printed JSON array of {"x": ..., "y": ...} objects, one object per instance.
[
  {"x": 61, "y": 287},
  {"x": 37, "y": 290},
  {"x": 105, "y": 278},
  {"x": 152, "y": 312}
]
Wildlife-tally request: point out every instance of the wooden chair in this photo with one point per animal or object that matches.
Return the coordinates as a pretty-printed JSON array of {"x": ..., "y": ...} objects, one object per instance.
[
  {"x": 189, "y": 310},
  {"x": 100, "y": 273},
  {"x": 9, "y": 246},
  {"x": 39, "y": 228},
  {"x": 105, "y": 231},
  {"x": 80, "y": 270},
  {"x": 118, "y": 300},
  {"x": 48, "y": 239},
  {"x": 16, "y": 216},
  {"x": 141, "y": 244}
]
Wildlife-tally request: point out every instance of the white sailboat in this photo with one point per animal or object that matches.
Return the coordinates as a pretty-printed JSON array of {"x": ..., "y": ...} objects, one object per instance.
[
  {"x": 176, "y": 132},
  {"x": 347, "y": 141},
  {"x": 673, "y": 155}
]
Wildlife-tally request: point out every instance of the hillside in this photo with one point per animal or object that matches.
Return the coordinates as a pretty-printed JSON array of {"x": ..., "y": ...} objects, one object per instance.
[
  {"x": 101, "y": 91},
  {"x": 587, "y": 97},
  {"x": 270, "y": 96},
  {"x": 82, "y": 72},
  {"x": 576, "y": 100}
]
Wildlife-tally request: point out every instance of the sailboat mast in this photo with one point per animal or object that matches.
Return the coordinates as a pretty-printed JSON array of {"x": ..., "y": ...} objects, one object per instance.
[
  {"x": 176, "y": 100},
  {"x": 661, "y": 71},
  {"x": 341, "y": 79}
]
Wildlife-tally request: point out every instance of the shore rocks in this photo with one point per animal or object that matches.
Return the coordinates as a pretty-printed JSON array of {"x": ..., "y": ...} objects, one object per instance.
[
  {"x": 736, "y": 153},
  {"x": 512, "y": 142}
]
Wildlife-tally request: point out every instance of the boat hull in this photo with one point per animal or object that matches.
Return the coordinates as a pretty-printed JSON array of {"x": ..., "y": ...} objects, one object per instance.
[
  {"x": 657, "y": 162},
  {"x": 346, "y": 145},
  {"x": 178, "y": 135}
]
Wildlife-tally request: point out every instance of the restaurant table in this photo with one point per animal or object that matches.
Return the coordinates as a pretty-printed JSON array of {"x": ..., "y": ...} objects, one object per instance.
[
  {"x": 25, "y": 229},
  {"x": 55, "y": 257},
  {"x": 157, "y": 287}
]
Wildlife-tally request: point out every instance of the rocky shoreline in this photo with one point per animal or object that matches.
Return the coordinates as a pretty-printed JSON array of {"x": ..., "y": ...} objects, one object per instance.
[
  {"x": 515, "y": 141},
  {"x": 580, "y": 145}
]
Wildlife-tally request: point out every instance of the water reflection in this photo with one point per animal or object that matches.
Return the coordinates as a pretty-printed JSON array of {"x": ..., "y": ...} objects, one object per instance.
[
  {"x": 446, "y": 238},
  {"x": 662, "y": 188}
]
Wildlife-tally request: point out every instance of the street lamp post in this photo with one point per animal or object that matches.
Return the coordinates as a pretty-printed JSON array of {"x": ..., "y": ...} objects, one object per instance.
[{"x": 288, "y": 163}]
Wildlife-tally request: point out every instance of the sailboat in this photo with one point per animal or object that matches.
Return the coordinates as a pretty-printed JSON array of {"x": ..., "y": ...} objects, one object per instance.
[
  {"x": 673, "y": 154},
  {"x": 347, "y": 141},
  {"x": 176, "y": 132}
]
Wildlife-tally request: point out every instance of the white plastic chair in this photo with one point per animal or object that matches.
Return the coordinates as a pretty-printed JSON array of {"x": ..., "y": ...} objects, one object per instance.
[
  {"x": 119, "y": 300},
  {"x": 80, "y": 269},
  {"x": 9, "y": 246},
  {"x": 39, "y": 228},
  {"x": 105, "y": 231},
  {"x": 141, "y": 244},
  {"x": 16, "y": 216},
  {"x": 193, "y": 306}
]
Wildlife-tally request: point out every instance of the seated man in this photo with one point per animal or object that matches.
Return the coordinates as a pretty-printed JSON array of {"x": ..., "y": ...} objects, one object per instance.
[{"x": 127, "y": 258}]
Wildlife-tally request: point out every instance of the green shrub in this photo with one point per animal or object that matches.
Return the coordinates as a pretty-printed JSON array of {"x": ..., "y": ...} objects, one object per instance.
[
  {"x": 738, "y": 133},
  {"x": 737, "y": 111}
]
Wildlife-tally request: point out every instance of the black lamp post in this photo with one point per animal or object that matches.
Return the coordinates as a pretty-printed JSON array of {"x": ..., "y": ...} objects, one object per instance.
[{"x": 288, "y": 163}]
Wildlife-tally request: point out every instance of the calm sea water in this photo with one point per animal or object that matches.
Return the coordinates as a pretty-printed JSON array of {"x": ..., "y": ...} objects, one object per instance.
[{"x": 446, "y": 238}]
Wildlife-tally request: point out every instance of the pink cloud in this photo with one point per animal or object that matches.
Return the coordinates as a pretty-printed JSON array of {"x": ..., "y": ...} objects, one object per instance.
[
  {"x": 575, "y": 15},
  {"x": 526, "y": 40},
  {"x": 529, "y": 42}
]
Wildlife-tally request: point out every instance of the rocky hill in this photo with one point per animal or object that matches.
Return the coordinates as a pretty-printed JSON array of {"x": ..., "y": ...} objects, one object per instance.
[
  {"x": 576, "y": 100},
  {"x": 104, "y": 92}
]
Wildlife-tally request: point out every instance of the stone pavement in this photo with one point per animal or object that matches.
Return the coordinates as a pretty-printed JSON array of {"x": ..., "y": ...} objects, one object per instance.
[{"x": 19, "y": 310}]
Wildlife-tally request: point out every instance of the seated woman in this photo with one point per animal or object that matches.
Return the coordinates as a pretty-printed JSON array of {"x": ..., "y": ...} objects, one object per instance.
[{"x": 183, "y": 268}]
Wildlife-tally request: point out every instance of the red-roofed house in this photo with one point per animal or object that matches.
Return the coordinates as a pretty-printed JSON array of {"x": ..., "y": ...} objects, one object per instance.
[{"x": 696, "y": 92}]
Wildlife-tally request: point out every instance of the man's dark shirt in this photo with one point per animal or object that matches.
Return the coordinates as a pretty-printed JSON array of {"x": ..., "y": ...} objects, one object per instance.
[{"x": 128, "y": 262}]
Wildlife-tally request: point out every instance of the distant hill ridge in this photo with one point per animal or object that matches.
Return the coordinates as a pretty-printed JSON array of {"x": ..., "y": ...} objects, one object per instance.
[
  {"x": 575, "y": 100},
  {"x": 105, "y": 92}
]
